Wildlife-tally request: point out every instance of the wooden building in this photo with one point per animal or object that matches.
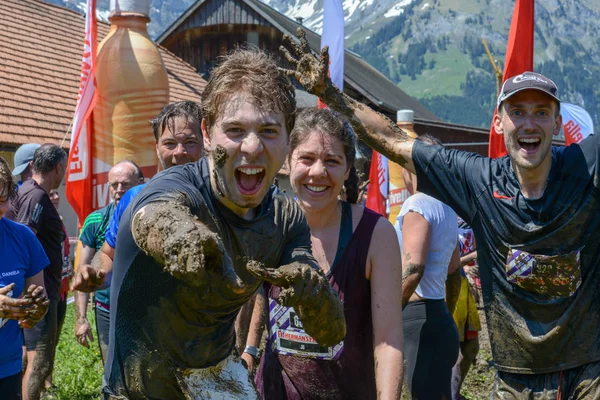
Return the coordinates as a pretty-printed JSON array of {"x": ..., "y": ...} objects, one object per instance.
[
  {"x": 211, "y": 28},
  {"x": 40, "y": 65}
]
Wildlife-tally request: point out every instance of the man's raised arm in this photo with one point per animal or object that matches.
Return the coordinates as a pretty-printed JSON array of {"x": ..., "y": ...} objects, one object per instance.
[{"x": 375, "y": 129}]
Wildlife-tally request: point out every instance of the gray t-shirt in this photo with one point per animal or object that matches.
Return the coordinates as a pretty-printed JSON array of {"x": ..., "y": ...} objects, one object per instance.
[
  {"x": 539, "y": 258},
  {"x": 158, "y": 322}
]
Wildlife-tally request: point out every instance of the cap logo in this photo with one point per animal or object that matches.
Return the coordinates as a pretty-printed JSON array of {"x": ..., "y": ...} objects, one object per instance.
[{"x": 523, "y": 78}]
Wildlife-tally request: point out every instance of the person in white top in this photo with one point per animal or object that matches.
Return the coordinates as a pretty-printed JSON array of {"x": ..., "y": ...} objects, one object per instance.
[{"x": 427, "y": 231}]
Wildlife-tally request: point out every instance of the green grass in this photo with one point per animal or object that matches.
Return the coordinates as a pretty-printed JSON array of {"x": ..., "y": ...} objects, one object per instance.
[
  {"x": 77, "y": 370},
  {"x": 446, "y": 78}
]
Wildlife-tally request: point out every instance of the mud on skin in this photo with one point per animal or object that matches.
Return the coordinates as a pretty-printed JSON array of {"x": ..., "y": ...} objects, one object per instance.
[
  {"x": 183, "y": 245},
  {"x": 319, "y": 309}
]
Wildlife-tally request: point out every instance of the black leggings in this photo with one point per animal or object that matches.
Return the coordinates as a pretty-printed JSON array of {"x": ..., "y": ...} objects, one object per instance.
[
  {"x": 10, "y": 387},
  {"x": 431, "y": 346}
]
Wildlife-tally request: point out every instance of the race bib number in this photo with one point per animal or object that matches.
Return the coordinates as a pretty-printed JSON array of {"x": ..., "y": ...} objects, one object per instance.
[
  {"x": 553, "y": 276},
  {"x": 288, "y": 336}
]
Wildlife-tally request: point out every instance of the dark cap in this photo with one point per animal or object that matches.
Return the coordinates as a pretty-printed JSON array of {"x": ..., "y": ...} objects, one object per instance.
[{"x": 527, "y": 81}]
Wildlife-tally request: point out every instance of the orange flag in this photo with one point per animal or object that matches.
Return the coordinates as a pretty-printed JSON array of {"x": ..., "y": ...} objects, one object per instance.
[
  {"x": 519, "y": 59},
  {"x": 79, "y": 169}
]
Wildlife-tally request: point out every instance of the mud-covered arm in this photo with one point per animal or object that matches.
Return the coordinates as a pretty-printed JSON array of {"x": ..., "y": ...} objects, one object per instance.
[
  {"x": 386, "y": 309},
  {"x": 83, "y": 329},
  {"x": 256, "y": 328},
  {"x": 453, "y": 282},
  {"x": 187, "y": 249},
  {"x": 375, "y": 129},
  {"x": 416, "y": 233}
]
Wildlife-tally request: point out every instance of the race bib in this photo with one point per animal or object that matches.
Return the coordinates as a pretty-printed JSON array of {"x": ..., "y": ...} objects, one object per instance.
[
  {"x": 553, "y": 276},
  {"x": 288, "y": 336}
]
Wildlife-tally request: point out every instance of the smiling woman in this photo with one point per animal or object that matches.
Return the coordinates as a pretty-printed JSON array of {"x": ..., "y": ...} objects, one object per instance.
[{"x": 358, "y": 251}]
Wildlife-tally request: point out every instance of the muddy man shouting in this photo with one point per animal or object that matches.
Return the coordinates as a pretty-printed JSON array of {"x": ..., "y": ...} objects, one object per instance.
[{"x": 202, "y": 238}]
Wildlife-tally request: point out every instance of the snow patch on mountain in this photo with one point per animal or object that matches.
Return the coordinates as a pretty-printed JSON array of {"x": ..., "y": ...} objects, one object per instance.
[{"x": 397, "y": 9}]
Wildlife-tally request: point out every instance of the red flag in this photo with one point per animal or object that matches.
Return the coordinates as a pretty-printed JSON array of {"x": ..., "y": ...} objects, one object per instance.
[
  {"x": 519, "y": 59},
  {"x": 377, "y": 192},
  {"x": 79, "y": 169}
]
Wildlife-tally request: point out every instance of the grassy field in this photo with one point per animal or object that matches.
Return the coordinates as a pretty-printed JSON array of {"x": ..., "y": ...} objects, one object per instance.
[{"x": 78, "y": 371}]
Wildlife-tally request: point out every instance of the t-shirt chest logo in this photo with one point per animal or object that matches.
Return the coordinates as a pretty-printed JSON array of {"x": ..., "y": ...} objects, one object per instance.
[{"x": 554, "y": 276}]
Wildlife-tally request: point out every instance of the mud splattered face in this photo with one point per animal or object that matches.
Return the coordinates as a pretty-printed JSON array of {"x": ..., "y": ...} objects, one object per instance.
[
  {"x": 318, "y": 170},
  {"x": 247, "y": 147},
  {"x": 180, "y": 143},
  {"x": 528, "y": 120}
]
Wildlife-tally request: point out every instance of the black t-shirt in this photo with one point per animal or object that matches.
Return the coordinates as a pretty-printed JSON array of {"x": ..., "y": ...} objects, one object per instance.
[
  {"x": 539, "y": 258},
  {"x": 32, "y": 207},
  {"x": 158, "y": 322}
]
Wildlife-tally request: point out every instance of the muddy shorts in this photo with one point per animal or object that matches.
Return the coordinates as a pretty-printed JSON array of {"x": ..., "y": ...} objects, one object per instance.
[
  {"x": 43, "y": 336},
  {"x": 228, "y": 380},
  {"x": 578, "y": 383}
]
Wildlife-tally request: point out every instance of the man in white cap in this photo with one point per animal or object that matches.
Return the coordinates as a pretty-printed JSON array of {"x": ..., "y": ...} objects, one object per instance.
[{"x": 23, "y": 161}]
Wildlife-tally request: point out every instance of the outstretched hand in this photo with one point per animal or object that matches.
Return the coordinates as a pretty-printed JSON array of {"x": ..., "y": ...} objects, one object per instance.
[
  {"x": 308, "y": 291},
  {"x": 312, "y": 74},
  {"x": 298, "y": 281},
  {"x": 88, "y": 279}
]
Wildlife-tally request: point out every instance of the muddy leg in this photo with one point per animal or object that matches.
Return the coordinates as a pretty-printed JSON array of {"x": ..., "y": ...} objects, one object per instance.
[
  {"x": 466, "y": 358},
  {"x": 38, "y": 367},
  {"x": 242, "y": 324}
]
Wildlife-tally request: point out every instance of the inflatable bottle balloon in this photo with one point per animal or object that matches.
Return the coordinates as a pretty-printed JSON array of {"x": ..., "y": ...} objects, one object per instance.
[
  {"x": 397, "y": 188},
  {"x": 132, "y": 87}
]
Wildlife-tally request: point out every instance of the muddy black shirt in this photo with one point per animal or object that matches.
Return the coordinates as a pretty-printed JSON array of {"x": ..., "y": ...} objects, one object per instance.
[
  {"x": 32, "y": 207},
  {"x": 160, "y": 323},
  {"x": 539, "y": 258}
]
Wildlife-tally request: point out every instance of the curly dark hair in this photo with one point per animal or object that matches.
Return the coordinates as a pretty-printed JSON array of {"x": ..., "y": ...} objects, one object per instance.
[
  {"x": 253, "y": 72},
  {"x": 8, "y": 185},
  {"x": 328, "y": 123},
  {"x": 188, "y": 109}
]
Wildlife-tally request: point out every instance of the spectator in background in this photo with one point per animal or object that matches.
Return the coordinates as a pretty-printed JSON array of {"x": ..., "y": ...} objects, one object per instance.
[
  {"x": 32, "y": 207},
  {"x": 178, "y": 142},
  {"x": 122, "y": 177},
  {"x": 67, "y": 272},
  {"x": 427, "y": 230},
  {"x": 465, "y": 314},
  {"x": 21, "y": 288},
  {"x": 23, "y": 161}
]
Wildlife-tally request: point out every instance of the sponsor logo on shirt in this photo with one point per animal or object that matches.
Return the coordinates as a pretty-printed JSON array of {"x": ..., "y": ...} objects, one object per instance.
[{"x": 497, "y": 195}]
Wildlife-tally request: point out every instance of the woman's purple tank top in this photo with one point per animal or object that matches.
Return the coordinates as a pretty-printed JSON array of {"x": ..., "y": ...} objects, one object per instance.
[{"x": 352, "y": 374}]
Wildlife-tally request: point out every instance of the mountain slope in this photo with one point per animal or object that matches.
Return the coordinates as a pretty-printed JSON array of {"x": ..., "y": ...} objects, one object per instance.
[{"x": 432, "y": 48}]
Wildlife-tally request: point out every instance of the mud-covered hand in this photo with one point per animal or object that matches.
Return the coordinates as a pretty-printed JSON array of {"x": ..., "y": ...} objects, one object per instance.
[
  {"x": 186, "y": 248},
  {"x": 313, "y": 74},
  {"x": 88, "y": 279},
  {"x": 83, "y": 332},
  {"x": 307, "y": 290},
  {"x": 38, "y": 307}
]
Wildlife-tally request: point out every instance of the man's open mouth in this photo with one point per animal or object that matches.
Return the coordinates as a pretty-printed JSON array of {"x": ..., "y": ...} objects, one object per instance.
[
  {"x": 530, "y": 144},
  {"x": 249, "y": 179}
]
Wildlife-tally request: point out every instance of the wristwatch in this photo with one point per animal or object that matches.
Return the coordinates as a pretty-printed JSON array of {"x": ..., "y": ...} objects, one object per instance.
[{"x": 253, "y": 351}]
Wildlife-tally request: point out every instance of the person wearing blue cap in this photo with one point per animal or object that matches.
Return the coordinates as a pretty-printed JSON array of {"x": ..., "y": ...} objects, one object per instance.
[{"x": 24, "y": 161}]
